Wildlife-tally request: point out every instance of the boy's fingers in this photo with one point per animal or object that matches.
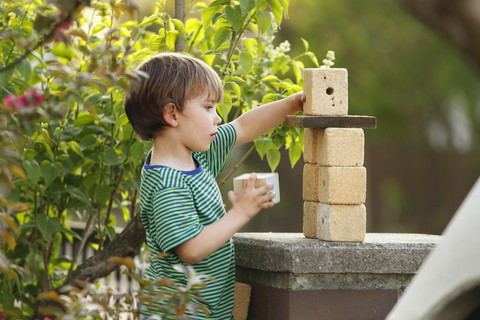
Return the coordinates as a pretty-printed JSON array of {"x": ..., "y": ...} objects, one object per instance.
[
  {"x": 270, "y": 196},
  {"x": 266, "y": 187},
  {"x": 231, "y": 196},
  {"x": 251, "y": 180},
  {"x": 301, "y": 96}
]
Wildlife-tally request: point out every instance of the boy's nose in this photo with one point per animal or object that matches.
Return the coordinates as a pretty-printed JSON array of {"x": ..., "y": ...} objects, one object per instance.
[{"x": 218, "y": 119}]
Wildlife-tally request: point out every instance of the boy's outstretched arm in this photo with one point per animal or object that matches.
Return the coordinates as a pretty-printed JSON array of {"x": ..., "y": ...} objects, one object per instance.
[{"x": 260, "y": 120}]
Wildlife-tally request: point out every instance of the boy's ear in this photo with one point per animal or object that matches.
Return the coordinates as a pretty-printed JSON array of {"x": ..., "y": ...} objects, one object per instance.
[{"x": 170, "y": 114}]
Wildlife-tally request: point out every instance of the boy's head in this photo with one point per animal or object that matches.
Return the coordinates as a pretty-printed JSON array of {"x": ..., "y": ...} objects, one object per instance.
[{"x": 168, "y": 78}]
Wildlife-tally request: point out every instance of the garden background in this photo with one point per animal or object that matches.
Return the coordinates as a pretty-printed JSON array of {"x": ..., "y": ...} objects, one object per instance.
[{"x": 70, "y": 162}]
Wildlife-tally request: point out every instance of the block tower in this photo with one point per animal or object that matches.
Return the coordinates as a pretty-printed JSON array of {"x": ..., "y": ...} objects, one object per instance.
[{"x": 334, "y": 178}]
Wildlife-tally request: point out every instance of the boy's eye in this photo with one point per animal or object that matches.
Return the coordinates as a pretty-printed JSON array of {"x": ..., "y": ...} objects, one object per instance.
[{"x": 208, "y": 107}]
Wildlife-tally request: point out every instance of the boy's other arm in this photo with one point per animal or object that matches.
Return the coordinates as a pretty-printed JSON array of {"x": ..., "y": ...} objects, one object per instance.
[
  {"x": 244, "y": 207},
  {"x": 260, "y": 120}
]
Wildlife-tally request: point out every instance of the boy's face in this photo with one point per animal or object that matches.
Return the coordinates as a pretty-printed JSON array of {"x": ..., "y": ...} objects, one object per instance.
[{"x": 198, "y": 123}]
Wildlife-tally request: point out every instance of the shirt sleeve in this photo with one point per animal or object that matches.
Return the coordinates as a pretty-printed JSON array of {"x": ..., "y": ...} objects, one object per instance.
[
  {"x": 221, "y": 147},
  {"x": 174, "y": 219}
]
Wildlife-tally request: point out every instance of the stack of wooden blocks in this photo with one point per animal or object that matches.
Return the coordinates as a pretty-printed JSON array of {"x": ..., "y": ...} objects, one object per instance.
[{"x": 334, "y": 178}]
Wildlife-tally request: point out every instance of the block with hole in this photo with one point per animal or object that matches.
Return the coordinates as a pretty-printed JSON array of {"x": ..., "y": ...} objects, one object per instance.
[{"x": 326, "y": 91}]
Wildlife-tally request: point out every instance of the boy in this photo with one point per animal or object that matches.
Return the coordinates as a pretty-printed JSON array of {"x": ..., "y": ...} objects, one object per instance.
[{"x": 181, "y": 205}]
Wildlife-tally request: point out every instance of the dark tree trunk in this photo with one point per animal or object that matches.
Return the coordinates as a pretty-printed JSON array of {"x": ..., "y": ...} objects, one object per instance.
[
  {"x": 126, "y": 244},
  {"x": 457, "y": 20},
  {"x": 180, "y": 15}
]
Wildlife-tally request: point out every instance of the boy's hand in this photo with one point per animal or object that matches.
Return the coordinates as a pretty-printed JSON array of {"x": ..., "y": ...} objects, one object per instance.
[
  {"x": 298, "y": 100},
  {"x": 252, "y": 199}
]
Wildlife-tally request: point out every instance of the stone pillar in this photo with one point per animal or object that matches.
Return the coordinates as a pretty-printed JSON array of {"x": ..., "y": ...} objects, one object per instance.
[{"x": 334, "y": 178}]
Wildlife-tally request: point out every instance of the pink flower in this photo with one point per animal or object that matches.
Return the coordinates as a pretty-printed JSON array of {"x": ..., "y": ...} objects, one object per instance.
[
  {"x": 22, "y": 101},
  {"x": 30, "y": 99},
  {"x": 9, "y": 101},
  {"x": 65, "y": 26},
  {"x": 34, "y": 98}
]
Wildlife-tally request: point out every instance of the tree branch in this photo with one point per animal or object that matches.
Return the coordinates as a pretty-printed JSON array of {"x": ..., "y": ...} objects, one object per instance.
[
  {"x": 457, "y": 20},
  {"x": 43, "y": 41},
  {"x": 126, "y": 244}
]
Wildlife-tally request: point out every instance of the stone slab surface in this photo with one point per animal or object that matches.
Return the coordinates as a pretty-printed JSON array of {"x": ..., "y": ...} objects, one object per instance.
[
  {"x": 291, "y": 261},
  {"x": 307, "y": 121},
  {"x": 380, "y": 253}
]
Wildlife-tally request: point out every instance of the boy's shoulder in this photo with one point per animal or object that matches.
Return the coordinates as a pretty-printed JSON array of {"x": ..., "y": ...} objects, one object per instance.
[{"x": 160, "y": 177}]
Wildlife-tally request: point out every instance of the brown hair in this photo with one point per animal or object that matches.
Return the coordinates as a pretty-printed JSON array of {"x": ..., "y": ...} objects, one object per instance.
[{"x": 167, "y": 78}]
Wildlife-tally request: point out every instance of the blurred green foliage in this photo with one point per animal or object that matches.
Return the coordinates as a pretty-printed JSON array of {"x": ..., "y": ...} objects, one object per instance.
[{"x": 399, "y": 71}]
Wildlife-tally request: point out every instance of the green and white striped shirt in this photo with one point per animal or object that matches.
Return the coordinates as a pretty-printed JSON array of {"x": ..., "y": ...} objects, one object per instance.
[{"x": 175, "y": 206}]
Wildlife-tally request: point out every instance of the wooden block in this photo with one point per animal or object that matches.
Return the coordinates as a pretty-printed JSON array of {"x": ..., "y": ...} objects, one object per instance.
[
  {"x": 241, "y": 301},
  {"x": 334, "y": 185},
  {"x": 262, "y": 179},
  {"x": 326, "y": 91},
  {"x": 365, "y": 122},
  {"x": 334, "y": 147},
  {"x": 334, "y": 222}
]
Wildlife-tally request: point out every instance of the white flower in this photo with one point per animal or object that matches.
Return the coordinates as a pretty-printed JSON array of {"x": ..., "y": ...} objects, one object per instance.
[{"x": 331, "y": 55}]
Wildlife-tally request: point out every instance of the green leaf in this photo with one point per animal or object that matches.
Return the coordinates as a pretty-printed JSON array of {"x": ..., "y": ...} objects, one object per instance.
[
  {"x": 172, "y": 37},
  {"x": 236, "y": 89},
  {"x": 180, "y": 27},
  {"x": 305, "y": 44},
  {"x": 111, "y": 157},
  {"x": 294, "y": 152},
  {"x": 5, "y": 77},
  {"x": 111, "y": 232},
  {"x": 156, "y": 43},
  {"x": 273, "y": 158},
  {"x": 150, "y": 20},
  {"x": 75, "y": 147},
  {"x": 262, "y": 145},
  {"x": 225, "y": 106},
  {"x": 246, "y": 61},
  {"x": 284, "y": 4},
  {"x": 47, "y": 225},
  {"x": 25, "y": 69},
  {"x": 137, "y": 152},
  {"x": 78, "y": 194},
  {"x": 280, "y": 62},
  {"x": 122, "y": 120},
  {"x": 71, "y": 233},
  {"x": 247, "y": 6},
  {"x": 83, "y": 119},
  {"x": 32, "y": 168},
  {"x": 270, "y": 78},
  {"x": 208, "y": 13},
  {"x": 264, "y": 20},
  {"x": 298, "y": 71},
  {"x": 50, "y": 171},
  {"x": 102, "y": 193},
  {"x": 276, "y": 10},
  {"x": 235, "y": 17},
  {"x": 221, "y": 36},
  {"x": 88, "y": 141},
  {"x": 60, "y": 49}
]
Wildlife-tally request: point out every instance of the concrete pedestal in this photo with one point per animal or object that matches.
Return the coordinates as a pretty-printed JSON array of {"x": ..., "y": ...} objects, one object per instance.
[{"x": 293, "y": 277}]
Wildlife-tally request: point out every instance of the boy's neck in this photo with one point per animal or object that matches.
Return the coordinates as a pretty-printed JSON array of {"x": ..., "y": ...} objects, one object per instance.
[{"x": 172, "y": 156}]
